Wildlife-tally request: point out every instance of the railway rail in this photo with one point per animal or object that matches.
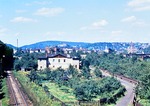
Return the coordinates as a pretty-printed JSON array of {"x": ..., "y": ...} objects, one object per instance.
[
  {"x": 135, "y": 82},
  {"x": 17, "y": 97},
  {"x": 132, "y": 83}
]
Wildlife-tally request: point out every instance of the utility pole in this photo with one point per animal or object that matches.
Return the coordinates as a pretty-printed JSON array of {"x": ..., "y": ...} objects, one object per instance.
[{"x": 17, "y": 45}]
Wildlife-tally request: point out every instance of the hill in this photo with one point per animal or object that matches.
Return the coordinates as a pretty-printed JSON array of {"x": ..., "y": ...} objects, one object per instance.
[
  {"x": 11, "y": 46},
  {"x": 119, "y": 46},
  {"x": 41, "y": 45}
]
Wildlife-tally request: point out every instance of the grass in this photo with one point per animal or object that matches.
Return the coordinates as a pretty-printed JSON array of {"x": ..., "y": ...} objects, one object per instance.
[
  {"x": 4, "y": 89},
  {"x": 63, "y": 93},
  {"x": 34, "y": 92},
  {"x": 145, "y": 102}
]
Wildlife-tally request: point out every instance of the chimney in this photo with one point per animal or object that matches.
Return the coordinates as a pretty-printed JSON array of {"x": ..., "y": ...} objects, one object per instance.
[{"x": 46, "y": 55}]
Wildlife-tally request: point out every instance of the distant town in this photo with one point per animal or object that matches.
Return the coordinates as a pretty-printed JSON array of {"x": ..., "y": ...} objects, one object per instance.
[{"x": 68, "y": 47}]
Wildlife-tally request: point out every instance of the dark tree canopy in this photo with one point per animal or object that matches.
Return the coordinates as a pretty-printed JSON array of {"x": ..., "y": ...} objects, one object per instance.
[{"x": 6, "y": 58}]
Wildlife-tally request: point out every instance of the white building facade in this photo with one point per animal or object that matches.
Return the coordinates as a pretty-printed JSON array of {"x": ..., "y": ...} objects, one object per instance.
[{"x": 56, "y": 61}]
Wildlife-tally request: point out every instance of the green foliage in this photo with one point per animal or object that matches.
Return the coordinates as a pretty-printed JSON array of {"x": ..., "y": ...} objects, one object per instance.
[
  {"x": 91, "y": 88},
  {"x": 129, "y": 66},
  {"x": 26, "y": 61},
  {"x": 84, "y": 87},
  {"x": 97, "y": 72},
  {"x": 35, "y": 92},
  {"x": 4, "y": 93}
]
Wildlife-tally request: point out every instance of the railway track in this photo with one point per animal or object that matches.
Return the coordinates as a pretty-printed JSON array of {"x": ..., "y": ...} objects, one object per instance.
[
  {"x": 130, "y": 84},
  {"x": 17, "y": 98},
  {"x": 135, "y": 82}
]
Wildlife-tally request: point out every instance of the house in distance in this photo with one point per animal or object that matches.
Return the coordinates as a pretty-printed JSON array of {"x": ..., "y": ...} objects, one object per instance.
[{"x": 57, "y": 60}]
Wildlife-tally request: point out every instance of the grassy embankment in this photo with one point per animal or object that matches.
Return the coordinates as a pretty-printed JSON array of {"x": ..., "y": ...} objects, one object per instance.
[
  {"x": 4, "y": 93},
  {"x": 34, "y": 92}
]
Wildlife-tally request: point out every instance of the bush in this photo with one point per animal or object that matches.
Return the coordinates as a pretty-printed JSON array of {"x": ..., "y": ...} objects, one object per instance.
[{"x": 4, "y": 94}]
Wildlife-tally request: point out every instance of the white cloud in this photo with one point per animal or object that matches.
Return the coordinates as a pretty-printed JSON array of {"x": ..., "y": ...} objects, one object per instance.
[
  {"x": 38, "y": 3},
  {"x": 54, "y": 33},
  {"x": 143, "y": 8},
  {"x": 49, "y": 11},
  {"x": 100, "y": 23},
  {"x": 140, "y": 23},
  {"x": 60, "y": 33},
  {"x": 22, "y": 20},
  {"x": 135, "y": 3},
  {"x": 2, "y": 30},
  {"x": 139, "y": 5},
  {"x": 21, "y": 11},
  {"x": 116, "y": 32},
  {"x": 17, "y": 34},
  {"x": 96, "y": 25},
  {"x": 43, "y": 2},
  {"x": 129, "y": 19},
  {"x": 134, "y": 21}
]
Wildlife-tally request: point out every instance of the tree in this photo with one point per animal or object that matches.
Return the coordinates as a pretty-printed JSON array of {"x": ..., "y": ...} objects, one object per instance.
[
  {"x": 85, "y": 63},
  {"x": 72, "y": 71},
  {"x": 26, "y": 61},
  {"x": 6, "y": 58},
  {"x": 86, "y": 72},
  {"x": 33, "y": 75},
  {"x": 97, "y": 72}
]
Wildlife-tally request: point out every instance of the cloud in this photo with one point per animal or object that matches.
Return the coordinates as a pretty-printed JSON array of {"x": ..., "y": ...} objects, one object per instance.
[
  {"x": 139, "y": 5},
  {"x": 96, "y": 25},
  {"x": 143, "y": 8},
  {"x": 17, "y": 34},
  {"x": 43, "y": 2},
  {"x": 21, "y": 11},
  {"x": 140, "y": 23},
  {"x": 100, "y": 23},
  {"x": 38, "y": 3},
  {"x": 2, "y": 30},
  {"x": 49, "y": 11},
  {"x": 22, "y": 20},
  {"x": 134, "y": 21},
  {"x": 54, "y": 33},
  {"x": 116, "y": 32},
  {"x": 129, "y": 19}
]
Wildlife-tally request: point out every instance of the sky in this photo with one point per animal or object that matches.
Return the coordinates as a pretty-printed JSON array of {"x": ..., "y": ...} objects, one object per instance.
[{"x": 32, "y": 21}]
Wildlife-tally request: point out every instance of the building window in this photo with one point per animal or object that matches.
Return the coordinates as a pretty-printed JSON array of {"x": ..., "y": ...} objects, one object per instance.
[
  {"x": 58, "y": 60},
  {"x": 53, "y": 60},
  {"x": 75, "y": 66},
  {"x": 64, "y": 60}
]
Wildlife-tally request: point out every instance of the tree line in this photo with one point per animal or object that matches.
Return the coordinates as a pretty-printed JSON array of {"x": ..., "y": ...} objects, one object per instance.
[
  {"x": 131, "y": 66},
  {"x": 6, "y": 58},
  {"x": 86, "y": 86}
]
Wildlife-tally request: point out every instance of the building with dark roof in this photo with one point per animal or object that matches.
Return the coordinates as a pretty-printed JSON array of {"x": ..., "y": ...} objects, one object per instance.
[{"x": 55, "y": 61}]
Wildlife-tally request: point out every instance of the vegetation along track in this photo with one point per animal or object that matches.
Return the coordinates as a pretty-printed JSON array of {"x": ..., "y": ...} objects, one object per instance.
[{"x": 17, "y": 98}]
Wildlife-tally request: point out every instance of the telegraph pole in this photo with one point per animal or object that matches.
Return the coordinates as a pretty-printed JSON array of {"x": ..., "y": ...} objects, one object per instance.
[{"x": 17, "y": 45}]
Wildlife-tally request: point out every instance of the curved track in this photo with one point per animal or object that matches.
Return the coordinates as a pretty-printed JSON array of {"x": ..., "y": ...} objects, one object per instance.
[{"x": 129, "y": 84}]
